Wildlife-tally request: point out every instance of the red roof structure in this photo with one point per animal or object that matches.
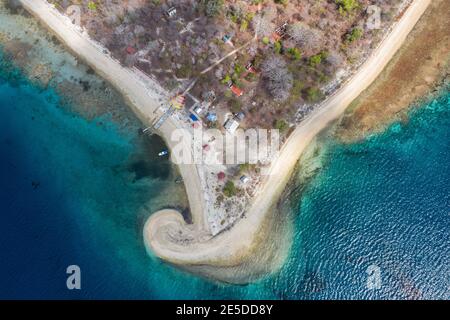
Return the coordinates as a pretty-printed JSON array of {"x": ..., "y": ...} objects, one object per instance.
[
  {"x": 238, "y": 92},
  {"x": 221, "y": 175},
  {"x": 131, "y": 50},
  {"x": 276, "y": 36}
]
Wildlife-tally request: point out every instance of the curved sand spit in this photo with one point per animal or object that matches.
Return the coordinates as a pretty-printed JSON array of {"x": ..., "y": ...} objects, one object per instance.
[
  {"x": 255, "y": 245},
  {"x": 229, "y": 249}
]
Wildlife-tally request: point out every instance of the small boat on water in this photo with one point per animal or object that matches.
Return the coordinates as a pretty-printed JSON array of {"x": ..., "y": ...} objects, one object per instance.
[
  {"x": 163, "y": 153},
  {"x": 179, "y": 179}
]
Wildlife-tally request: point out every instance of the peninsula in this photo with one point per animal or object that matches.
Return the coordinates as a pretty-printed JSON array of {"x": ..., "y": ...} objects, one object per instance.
[{"x": 231, "y": 236}]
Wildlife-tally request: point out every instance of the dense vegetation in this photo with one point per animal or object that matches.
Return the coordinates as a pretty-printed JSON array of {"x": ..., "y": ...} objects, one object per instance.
[{"x": 301, "y": 45}]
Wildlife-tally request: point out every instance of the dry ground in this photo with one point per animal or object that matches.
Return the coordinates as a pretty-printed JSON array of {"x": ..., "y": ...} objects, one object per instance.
[{"x": 416, "y": 69}]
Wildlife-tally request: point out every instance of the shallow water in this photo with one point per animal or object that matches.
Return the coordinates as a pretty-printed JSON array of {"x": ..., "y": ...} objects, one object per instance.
[
  {"x": 75, "y": 191},
  {"x": 384, "y": 202},
  {"x": 71, "y": 188}
]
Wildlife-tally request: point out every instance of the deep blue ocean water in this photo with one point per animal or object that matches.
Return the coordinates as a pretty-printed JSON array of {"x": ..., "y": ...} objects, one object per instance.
[{"x": 71, "y": 194}]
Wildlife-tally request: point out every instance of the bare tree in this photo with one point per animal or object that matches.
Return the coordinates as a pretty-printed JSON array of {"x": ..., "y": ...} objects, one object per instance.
[
  {"x": 335, "y": 60},
  {"x": 308, "y": 38},
  {"x": 252, "y": 50},
  {"x": 278, "y": 79},
  {"x": 212, "y": 7},
  {"x": 263, "y": 22},
  {"x": 263, "y": 26}
]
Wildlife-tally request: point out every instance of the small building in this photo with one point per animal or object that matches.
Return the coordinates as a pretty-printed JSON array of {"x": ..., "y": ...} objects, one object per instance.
[
  {"x": 211, "y": 116},
  {"x": 250, "y": 68},
  {"x": 240, "y": 116},
  {"x": 193, "y": 117},
  {"x": 237, "y": 91},
  {"x": 198, "y": 110},
  {"x": 171, "y": 12},
  {"x": 231, "y": 125},
  {"x": 276, "y": 37},
  {"x": 221, "y": 175},
  {"x": 244, "y": 179},
  {"x": 178, "y": 102},
  {"x": 226, "y": 38},
  {"x": 131, "y": 50},
  {"x": 281, "y": 30}
]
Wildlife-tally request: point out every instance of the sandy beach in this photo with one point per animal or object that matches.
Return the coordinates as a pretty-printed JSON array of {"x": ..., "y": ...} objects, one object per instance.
[
  {"x": 47, "y": 64},
  {"x": 227, "y": 256},
  {"x": 222, "y": 249},
  {"x": 404, "y": 82},
  {"x": 143, "y": 95}
]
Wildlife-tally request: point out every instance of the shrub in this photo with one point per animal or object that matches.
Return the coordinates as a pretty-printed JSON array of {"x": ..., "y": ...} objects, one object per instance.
[{"x": 229, "y": 189}]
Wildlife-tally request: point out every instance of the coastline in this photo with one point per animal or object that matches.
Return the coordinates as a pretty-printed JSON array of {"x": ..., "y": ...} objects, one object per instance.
[
  {"x": 50, "y": 67},
  {"x": 281, "y": 170},
  {"x": 234, "y": 249},
  {"x": 420, "y": 67},
  {"x": 375, "y": 189},
  {"x": 143, "y": 95}
]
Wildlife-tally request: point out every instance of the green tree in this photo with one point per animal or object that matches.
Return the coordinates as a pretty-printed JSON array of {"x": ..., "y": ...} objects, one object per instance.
[
  {"x": 347, "y": 6},
  {"x": 313, "y": 94},
  {"x": 229, "y": 189},
  {"x": 354, "y": 34},
  {"x": 92, "y": 5},
  {"x": 281, "y": 125},
  {"x": 294, "y": 53}
]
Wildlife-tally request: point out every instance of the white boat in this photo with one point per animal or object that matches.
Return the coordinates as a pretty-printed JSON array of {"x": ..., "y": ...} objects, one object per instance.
[{"x": 163, "y": 153}]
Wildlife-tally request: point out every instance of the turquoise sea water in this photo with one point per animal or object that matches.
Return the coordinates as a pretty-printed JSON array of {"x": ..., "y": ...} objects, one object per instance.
[
  {"x": 384, "y": 202},
  {"x": 78, "y": 192}
]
